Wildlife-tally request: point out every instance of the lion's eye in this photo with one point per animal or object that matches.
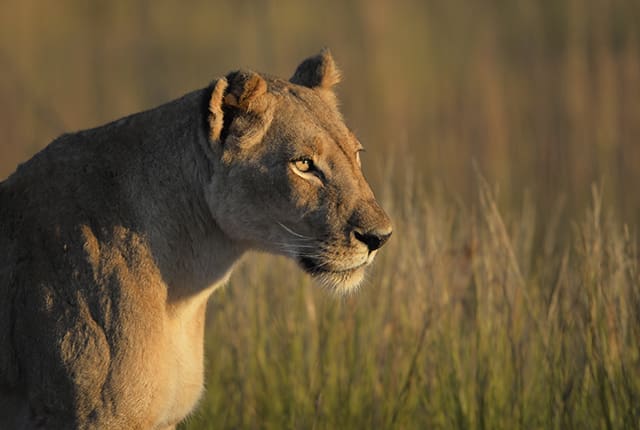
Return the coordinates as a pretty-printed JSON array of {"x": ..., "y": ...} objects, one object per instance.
[
  {"x": 307, "y": 169},
  {"x": 304, "y": 165}
]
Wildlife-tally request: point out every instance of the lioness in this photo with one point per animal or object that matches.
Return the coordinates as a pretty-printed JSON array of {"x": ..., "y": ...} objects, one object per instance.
[{"x": 112, "y": 239}]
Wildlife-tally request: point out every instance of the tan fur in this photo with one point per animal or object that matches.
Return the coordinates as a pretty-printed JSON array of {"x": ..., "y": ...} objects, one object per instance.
[
  {"x": 215, "y": 109},
  {"x": 113, "y": 239}
]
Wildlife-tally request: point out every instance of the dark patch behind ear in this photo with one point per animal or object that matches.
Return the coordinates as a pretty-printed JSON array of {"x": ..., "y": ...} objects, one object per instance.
[
  {"x": 230, "y": 112},
  {"x": 319, "y": 71}
]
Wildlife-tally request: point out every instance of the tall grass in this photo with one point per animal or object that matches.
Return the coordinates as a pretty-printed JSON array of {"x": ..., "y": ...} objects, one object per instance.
[{"x": 473, "y": 319}]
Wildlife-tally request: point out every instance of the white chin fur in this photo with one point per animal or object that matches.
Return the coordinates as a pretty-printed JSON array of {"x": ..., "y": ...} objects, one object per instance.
[{"x": 341, "y": 283}]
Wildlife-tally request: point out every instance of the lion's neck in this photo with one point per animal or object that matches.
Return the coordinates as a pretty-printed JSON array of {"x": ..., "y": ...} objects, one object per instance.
[
  {"x": 193, "y": 260},
  {"x": 192, "y": 253}
]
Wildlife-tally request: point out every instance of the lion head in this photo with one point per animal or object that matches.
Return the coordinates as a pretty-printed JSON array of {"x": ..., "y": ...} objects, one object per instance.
[{"x": 287, "y": 175}]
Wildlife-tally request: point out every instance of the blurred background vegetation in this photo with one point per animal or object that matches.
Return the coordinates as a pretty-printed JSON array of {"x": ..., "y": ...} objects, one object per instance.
[
  {"x": 509, "y": 305},
  {"x": 543, "y": 96}
]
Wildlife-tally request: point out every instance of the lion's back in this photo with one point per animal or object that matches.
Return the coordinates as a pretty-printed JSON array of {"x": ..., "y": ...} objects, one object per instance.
[{"x": 42, "y": 206}]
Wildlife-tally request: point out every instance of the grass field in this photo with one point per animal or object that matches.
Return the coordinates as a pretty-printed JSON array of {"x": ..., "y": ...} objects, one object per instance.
[{"x": 503, "y": 137}]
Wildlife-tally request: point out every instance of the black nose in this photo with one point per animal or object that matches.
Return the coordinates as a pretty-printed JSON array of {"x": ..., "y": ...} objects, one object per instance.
[{"x": 373, "y": 239}]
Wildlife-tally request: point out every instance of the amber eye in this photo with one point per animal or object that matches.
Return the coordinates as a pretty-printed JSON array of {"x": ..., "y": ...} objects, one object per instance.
[{"x": 304, "y": 165}]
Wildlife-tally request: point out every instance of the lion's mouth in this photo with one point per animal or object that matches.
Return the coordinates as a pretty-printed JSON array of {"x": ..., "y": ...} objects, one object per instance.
[
  {"x": 309, "y": 265},
  {"x": 341, "y": 281},
  {"x": 314, "y": 267}
]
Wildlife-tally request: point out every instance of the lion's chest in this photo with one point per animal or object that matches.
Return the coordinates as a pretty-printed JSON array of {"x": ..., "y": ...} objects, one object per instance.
[{"x": 184, "y": 361}]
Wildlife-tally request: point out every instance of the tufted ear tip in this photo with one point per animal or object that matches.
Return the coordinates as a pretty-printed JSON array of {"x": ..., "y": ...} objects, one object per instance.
[
  {"x": 319, "y": 71},
  {"x": 245, "y": 88}
]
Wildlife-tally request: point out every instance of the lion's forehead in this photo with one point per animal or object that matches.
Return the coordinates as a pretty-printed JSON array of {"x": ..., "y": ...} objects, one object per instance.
[{"x": 307, "y": 118}]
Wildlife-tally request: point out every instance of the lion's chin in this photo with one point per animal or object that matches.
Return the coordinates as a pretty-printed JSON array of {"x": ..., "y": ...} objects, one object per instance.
[
  {"x": 344, "y": 282},
  {"x": 340, "y": 281}
]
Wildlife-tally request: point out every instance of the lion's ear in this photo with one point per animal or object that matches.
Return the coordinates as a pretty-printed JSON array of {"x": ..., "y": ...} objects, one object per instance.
[
  {"x": 319, "y": 71},
  {"x": 245, "y": 90},
  {"x": 216, "y": 116},
  {"x": 241, "y": 90}
]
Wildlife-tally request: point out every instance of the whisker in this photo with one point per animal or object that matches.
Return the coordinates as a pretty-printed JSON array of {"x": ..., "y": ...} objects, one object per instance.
[
  {"x": 294, "y": 245},
  {"x": 304, "y": 249},
  {"x": 292, "y": 251},
  {"x": 287, "y": 229}
]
